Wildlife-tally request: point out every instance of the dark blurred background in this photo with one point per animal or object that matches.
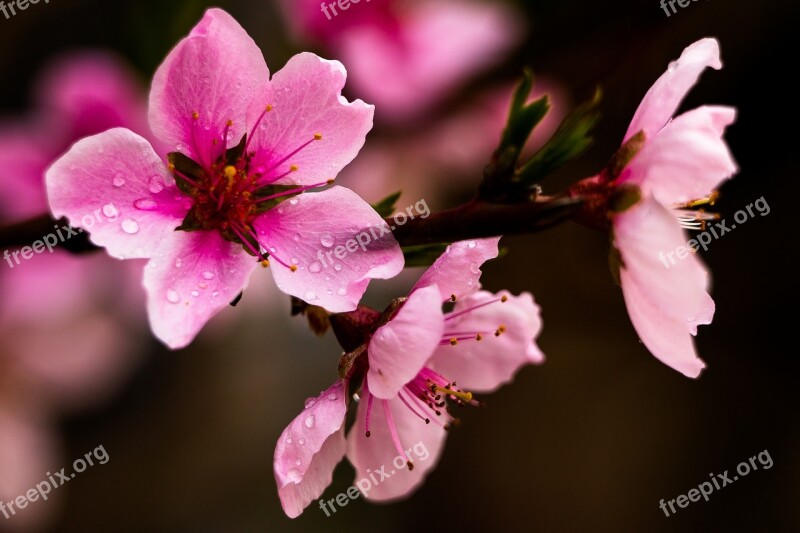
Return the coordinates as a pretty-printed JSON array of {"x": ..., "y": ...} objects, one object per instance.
[{"x": 592, "y": 439}]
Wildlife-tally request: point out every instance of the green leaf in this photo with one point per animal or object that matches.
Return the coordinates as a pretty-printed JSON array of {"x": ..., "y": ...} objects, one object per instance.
[
  {"x": 386, "y": 207},
  {"x": 423, "y": 255},
  {"x": 571, "y": 140},
  {"x": 185, "y": 166},
  {"x": 191, "y": 221}
]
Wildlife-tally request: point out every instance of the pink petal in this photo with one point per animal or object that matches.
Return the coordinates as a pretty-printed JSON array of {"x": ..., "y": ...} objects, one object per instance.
[
  {"x": 485, "y": 365},
  {"x": 662, "y": 100},
  {"x": 665, "y": 301},
  {"x": 105, "y": 185},
  {"x": 688, "y": 159},
  {"x": 214, "y": 72},
  {"x": 306, "y": 100},
  {"x": 400, "y": 349},
  {"x": 308, "y": 230},
  {"x": 457, "y": 272},
  {"x": 309, "y": 449},
  {"x": 406, "y": 69},
  {"x": 377, "y": 453},
  {"x": 191, "y": 278}
]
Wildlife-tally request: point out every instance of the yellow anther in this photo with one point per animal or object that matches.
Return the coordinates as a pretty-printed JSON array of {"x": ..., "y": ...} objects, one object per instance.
[
  {"x": 171, "y": 167},
  {"x": 317, "y": 136},
  {"x": 453, "y": 341},
  {"x": 229, "y": 123},
  {"x": 452, "y": 297},
  {"x": 293, "y": 168},
  {"x": 504, "y": 298},
  {"x": 465, "y": 396},
  {"x": 330, "y": 181},
  {"x": 500, "y": 331},
  {"x": 265, "y": 263},
  {"x": 293, "y": 268},
  {"x": 269, "y": 108},
  {"x": 478, "y": 337},
  {"x": 195, "y": 115},
  {"x": 230, "y": 171}
]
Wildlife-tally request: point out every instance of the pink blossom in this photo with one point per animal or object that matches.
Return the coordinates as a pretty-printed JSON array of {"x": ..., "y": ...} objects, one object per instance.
[
  {"x": 417, "y": 362},
  {"x": 679, "y": 165},
  {"x": 244, "y": 143},
  {"x": 396, "y": 53}
]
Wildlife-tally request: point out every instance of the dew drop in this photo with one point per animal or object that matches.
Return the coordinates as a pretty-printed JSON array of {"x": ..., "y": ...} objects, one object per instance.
[
  {"x": 293, "y": 201},
  {"x": 298, "y": 462},
  {"x": 289, "y": 440},
  {"x": 301, "y": 442},
  {"x": 296, "y": 237},
  {"x": 470, "y": 283},
  {"x": 294, "y": 475},
  {"x": 173, "y": 297},
  {"x": 329, "y": 292},
  {"x": 333, "y": 396},
  {"x": 156, "y": 185},
  {"x": 110, "y": 211},
  {"x": 178, "y": 262},
  {"x": 215, "y": 294},
  {"x": 145, "y": 204},
  {"x": 272, "y": 250},
  {"x": 309, "y": 403},
  {"x": 472, "y": 244},
  {"x": 337, "y": 267},
  {"x": 473, "y": 267},
  {"x": 315, "y": 268},
  {"x": 118, "y": 180},
  {"x": 310, "y": 296},
  {"x": 208, "y": 275},
  {"x": 327, "y": 240},
  {"x": 294, "y": 260},
  {"x": 195, "y": 293},
  {"x": 342, "y": 291},
  {"x": 309, "y": 423},
  {"x": 130, "y": 226}
]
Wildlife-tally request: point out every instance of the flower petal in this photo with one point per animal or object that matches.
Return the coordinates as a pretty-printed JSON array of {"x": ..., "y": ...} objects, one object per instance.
[
  {"x": 377, "y": 453},
  {"x": 309, "y": 449},
  {"x": 457, "y": 272},
  {"x": 400, "y": 349},
  {"x": 105, "y": 185},
  {"x": 485, "y": 365},
  {"x": 214, "y": 72},
  {"x": 306, "y": 100},
  {"x": 666, "y": 295},
  {"x": 688, "y": 159},
  {"x": 25, "y": 154},
  {"x": 335, "y": 241},
  {"x": 662, "y": 100},
  {"x": 192, "y": 277}
]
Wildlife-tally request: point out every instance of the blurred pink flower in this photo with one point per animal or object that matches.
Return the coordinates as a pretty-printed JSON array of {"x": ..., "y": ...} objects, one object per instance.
[
  {"x": 61, "y": 317},
  {"x": 678, "y": 164},
  {"x": 297, "y": 132},
  {"x": 395, "y": 50},
  {"x": 414, "y": 363}
]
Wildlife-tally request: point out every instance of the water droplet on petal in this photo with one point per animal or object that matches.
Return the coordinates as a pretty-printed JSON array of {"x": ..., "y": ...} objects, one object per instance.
[
  {"x": 195, "y": 293},
  {"x": 309, "y": 423},
  {"x": 472, "y": 244},
  {"x": 294, "y": 260},
  {"x": 110, "y": 211},
  {"x": 315, "y": 268},
  {"x": 296, "y": 237},
  {"x": 173, "y": 297},
  {"x": 215, "y": 294},
  {"x": 118, "y": 180},
  {"x": 156, "y": 184},
  {"x": 145, "y": 204},
  {"x": 301, "y": 442},
  {"x": 337, "y": 267},
  {"x": 288, "y": 440},
  {"x": 342, "y": 291},
  {"x": 178, "y": 262},
  {"x": 130, "y": 226},
  {"x": 470, "y": 283},
  {"x": 327, "y": 240},
  {"x": 329, "y": 292},
  {"x": 333, "y": 396},
  {"x": 309, "y": 403},
  {"x": 310, "y": 296},
  {"x": 293, "y": 201},
  {"x": 298, "y": 462},
  {"x": 473, "y": 267},
  {"x": 294, "y": 475},
  {"x": 208, "y": 275}
]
